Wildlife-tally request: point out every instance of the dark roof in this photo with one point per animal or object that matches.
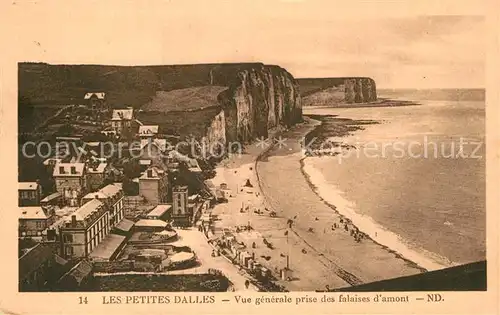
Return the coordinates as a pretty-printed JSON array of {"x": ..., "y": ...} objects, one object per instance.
[
  {"x": 33, "y": 259},
  {"x": 51, "y": 197},
  {"x": 61, "y": 261},
  {"x": 79, "y": 272},
  {"x": 125, "y": 225}
]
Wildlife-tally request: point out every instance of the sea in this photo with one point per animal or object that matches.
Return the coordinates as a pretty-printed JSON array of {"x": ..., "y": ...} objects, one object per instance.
[{"x": 416, "y": 180}]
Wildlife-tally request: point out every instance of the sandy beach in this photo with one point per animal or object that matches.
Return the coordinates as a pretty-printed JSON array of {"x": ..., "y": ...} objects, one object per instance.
[{"x": 319, "y": 254}]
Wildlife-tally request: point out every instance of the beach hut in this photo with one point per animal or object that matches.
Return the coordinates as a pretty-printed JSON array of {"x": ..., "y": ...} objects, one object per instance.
[
  {"x": 250, "y": 263},
  {"x": 245, "y": 258},
  {"x": 286, "y": 274}
]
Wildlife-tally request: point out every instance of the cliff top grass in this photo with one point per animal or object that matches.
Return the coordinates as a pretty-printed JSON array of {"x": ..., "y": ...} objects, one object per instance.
[
  {"x": 185, "y": 99},
  {"x": 312, "y": 85},
  {"x": 43, "y": 84},
  {"x": 333, "y": 95},
  {"x": 181, "y": 123}
]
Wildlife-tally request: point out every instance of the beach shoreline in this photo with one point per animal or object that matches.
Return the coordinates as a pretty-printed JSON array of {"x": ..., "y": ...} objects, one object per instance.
[
  {"x": 314, "y": 261},
  {"x": 413, "y": 258},
  {"x": 329, "y": 194}
]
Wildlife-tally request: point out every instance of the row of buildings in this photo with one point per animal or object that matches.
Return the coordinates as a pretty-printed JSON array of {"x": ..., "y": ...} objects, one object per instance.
[
  {"x": 84, "y": 218},
  {"x": 81, "y": 230}
]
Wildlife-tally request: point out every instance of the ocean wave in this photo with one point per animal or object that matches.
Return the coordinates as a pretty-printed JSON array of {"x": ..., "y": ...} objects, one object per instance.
[{"x": 394, "y": 242}]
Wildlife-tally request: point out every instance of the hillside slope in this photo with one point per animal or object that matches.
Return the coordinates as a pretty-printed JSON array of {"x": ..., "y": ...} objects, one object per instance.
[{"x": 184, "y": 99}]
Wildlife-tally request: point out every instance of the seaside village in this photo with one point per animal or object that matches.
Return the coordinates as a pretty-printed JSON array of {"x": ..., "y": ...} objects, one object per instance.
[{"x": 95, "y": 222}]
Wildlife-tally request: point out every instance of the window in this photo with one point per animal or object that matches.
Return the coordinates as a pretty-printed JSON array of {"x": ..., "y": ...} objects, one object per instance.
[
  {"x": 39, "y": 224},
  {"x": 68, "y": 238},
  {"x": 69, "y": 251}
]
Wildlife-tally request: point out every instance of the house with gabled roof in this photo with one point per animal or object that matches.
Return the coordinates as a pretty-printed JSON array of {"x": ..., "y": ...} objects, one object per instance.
[
  {"x": 76, "y": 278},
  {"x": 148, "y": 131},
  {"x": 34, "y": 220},
  {"x": 96, "y": 100},
  {"x": 121, "y": 120},
  {"x": 29, "y": 193},
  {"x": 39, "y": 268}
]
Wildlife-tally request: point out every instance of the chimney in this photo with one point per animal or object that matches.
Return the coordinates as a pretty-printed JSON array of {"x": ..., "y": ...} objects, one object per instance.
[
  {"x": 150, "y": 173},
  {"x": 73, "y": 170},
  {"x": 61, "y": 169},
  {"x": 73, "y": 220}
]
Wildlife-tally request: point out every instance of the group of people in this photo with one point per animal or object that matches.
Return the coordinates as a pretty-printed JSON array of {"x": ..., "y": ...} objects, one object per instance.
[{"x": 353, "y": 230}]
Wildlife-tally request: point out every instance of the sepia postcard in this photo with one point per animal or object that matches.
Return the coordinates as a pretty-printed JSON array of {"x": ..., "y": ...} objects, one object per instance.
[{"x": 249, "y": 157}]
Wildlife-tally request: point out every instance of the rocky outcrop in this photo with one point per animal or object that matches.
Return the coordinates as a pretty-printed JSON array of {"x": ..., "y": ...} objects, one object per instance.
[{"x": 261, "y": 98}]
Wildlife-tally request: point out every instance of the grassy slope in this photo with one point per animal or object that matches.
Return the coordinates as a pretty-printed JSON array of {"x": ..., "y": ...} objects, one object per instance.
[
  {"x": 180, "y": 122},
  {"x": 42, "y": 86},
  {"x": 191, "y": 86},
  {"x": 333, "y": 95},
  {"x": 185, "y": 99},
  {"x": 41, "y": 83},
  {"x": 312, "y": 85}
]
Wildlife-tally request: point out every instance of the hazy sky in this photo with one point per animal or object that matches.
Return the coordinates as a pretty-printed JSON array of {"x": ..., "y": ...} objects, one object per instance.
[{"x": 404, "y": 47}]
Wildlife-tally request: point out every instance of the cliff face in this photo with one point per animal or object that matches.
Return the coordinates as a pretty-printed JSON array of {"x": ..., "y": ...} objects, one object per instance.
[
  {"x": 321, "y": 91},
  {"x": 360, "y": 90},
  {"x": 262, "y": 98}
]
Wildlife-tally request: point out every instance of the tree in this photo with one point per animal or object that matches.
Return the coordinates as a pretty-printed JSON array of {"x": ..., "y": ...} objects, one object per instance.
[
  {"x": 132, "y": 169},
  {"x": 129, "y": 187}
]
